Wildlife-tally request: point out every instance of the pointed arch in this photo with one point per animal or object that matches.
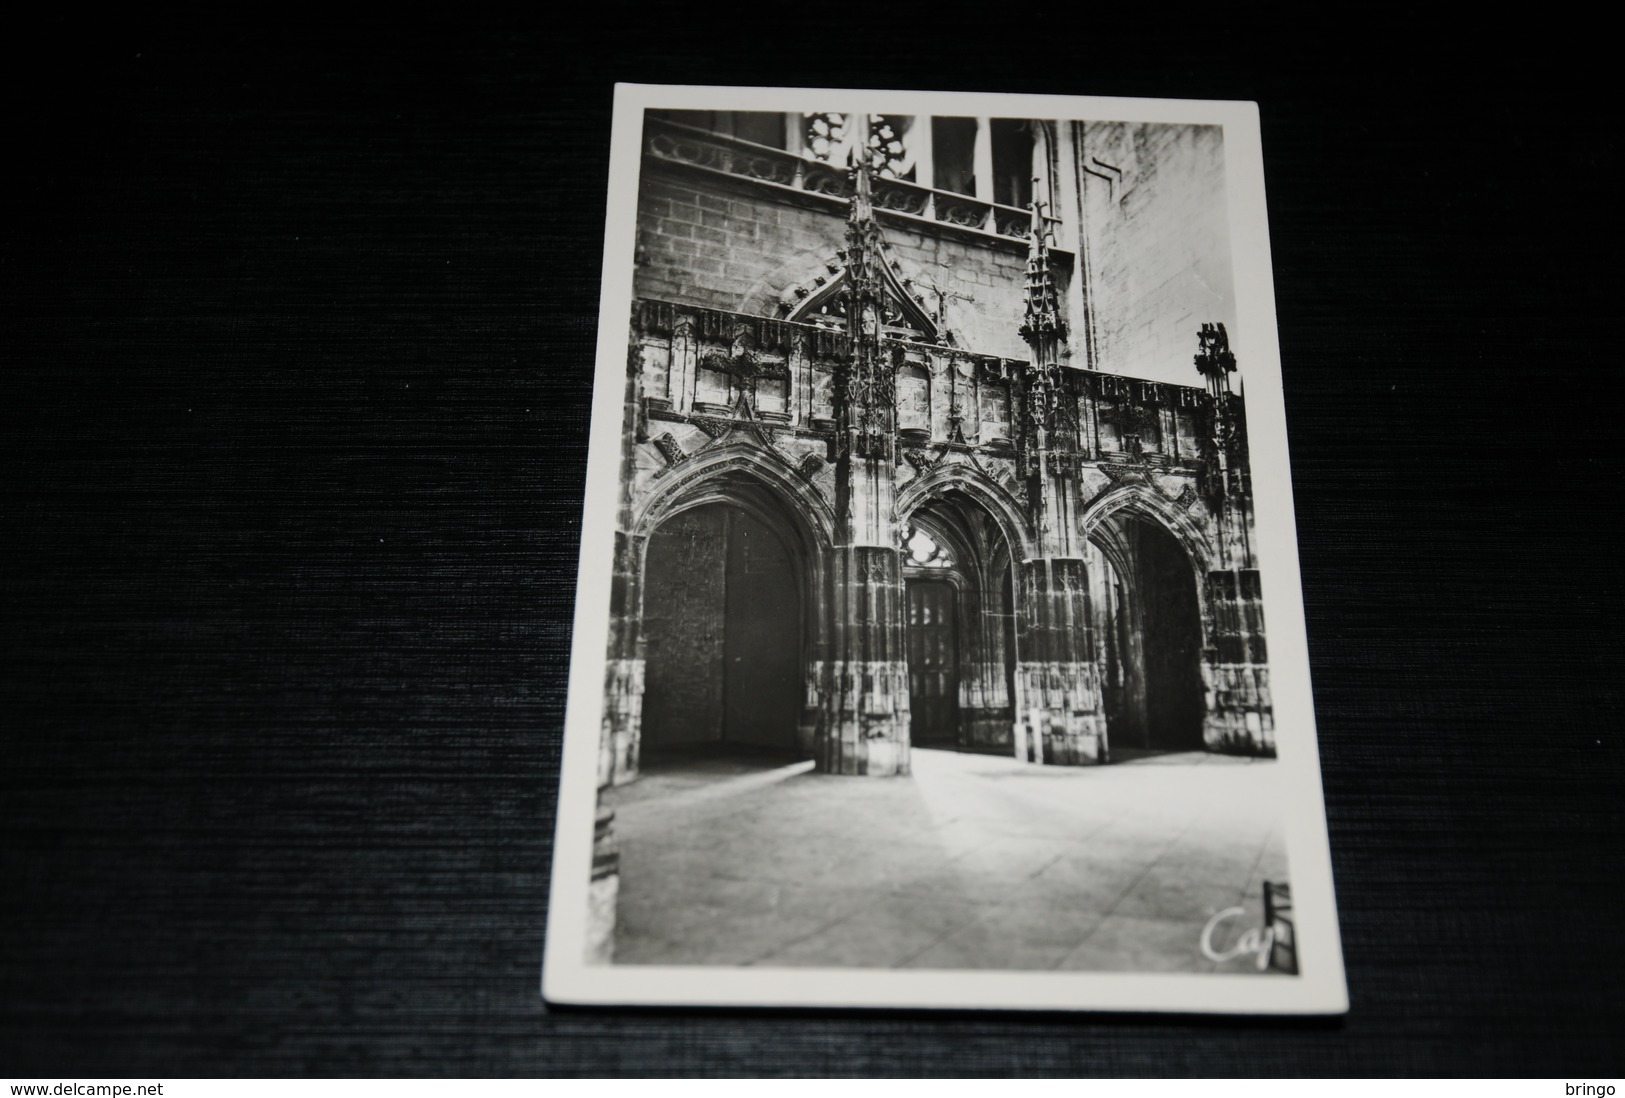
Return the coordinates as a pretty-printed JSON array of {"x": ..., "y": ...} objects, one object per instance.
[
  {"x": 1150, "y": 504},
  {"x": 716, "y": 474},
  {"x": 978, "y": 486},
  {"x": 1153, "y": 618},
  {"x": 743, "y": 478}
]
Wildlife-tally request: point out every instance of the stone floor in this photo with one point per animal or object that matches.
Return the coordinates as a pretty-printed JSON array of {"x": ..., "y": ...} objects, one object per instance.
[{"x": 975, "y": 861}]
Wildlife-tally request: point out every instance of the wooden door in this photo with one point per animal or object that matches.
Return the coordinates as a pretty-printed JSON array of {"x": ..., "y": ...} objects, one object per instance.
[
  {"x": 933, "y": 662},
  {"x": 762, "y": 639}
]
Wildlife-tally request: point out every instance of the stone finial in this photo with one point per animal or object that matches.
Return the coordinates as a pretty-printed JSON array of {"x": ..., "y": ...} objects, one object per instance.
[
  {"x": 1042, "y": 318},
  {"x": 1214, "y": 360}
]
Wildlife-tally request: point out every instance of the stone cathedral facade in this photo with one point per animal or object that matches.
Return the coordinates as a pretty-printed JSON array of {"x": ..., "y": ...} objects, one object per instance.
[{"x": 931, "y": 439}]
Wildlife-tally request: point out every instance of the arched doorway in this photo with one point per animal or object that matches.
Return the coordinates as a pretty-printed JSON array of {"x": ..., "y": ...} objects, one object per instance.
[
  {"x": 1149, "y": 619},
  {"x": 960, "y": 628},
  {"x": 722, "y": 632}
]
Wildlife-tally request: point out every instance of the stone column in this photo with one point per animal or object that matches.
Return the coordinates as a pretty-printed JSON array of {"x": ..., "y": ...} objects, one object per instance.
[
  {"x": 982, "y": 159},
  {"x": 984, "y": 699},
  {"x": 623, "y": 672},
  {"x": 920, "y": 146},
  {"x": 866, "y": 719},
  {"x": 1059, "y": 681},
  {"x": 1058, "y": 676},
  {"x": 866, "y": 712},
  {"x": 604, "y": 889},
  {"x": 1240, "y": 716},
  {"x": 621, "y": 728}
]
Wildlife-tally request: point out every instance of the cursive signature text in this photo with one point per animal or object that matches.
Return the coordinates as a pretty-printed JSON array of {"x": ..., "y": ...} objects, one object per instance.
[{"x": 1253, "y": 940}]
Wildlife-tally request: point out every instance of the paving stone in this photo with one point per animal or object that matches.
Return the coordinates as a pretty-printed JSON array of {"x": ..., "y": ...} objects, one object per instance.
[
  {"x": 883, "y": 935},
  {"x": 1163, "y": 894},
  {"x": 1124, "y": 943},
  {"x": 1087, "y": 882},
  {"x": 973, "y": 862},
  {"x": 1011, "y": 936}
]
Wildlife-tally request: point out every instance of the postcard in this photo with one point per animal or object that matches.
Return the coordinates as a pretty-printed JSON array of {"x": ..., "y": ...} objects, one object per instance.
[{"x": 939, "y": 639}]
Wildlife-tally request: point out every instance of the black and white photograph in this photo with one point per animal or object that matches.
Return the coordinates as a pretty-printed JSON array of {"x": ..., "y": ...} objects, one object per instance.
[
  {"x": 742, "y": 542},
  {"x": 928, "y": 626}
]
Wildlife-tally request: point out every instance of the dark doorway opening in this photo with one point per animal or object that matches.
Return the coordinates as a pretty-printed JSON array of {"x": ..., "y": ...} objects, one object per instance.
[
  {"x": 1151, "y": 631},
  {"x": 933, "y": 663},
  {"x": 722, "y": 635},
  {"x": 960, "y": 626}
]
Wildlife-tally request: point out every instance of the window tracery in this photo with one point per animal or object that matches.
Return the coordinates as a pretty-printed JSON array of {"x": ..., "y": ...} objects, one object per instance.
[
  {"x": 924, "y": 551},
  {"x": 834, "y": 137}
]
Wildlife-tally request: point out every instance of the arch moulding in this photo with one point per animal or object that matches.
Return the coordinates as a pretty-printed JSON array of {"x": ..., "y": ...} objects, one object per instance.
[
  {"x": 1150, "y": 504},
  {"x": 937, "y": 482},
  {"x": 702, "y": 479}
]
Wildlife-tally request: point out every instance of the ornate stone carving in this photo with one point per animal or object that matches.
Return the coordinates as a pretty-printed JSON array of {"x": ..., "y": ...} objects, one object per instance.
[
  {"x": 874, "y": 563},
  {"x": 1214, "y": 360},
  {"x": 1013, "y": 485},
  {"x": 1042, "y": 319},
  {"x": 920, "y": 460},
  {"x": 669, "y": 449},
  {"x": 1125, "y": 474}
]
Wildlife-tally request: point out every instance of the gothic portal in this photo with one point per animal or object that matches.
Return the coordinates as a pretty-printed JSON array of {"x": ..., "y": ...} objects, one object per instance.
[
  {"x": 909, "y": 458},
  {"x": 720, "y": 663}
]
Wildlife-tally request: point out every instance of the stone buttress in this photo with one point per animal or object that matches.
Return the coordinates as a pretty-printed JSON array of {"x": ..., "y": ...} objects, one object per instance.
[
  {"x": 865, "y": 725},
  {"x": 1057, "y": 678}
]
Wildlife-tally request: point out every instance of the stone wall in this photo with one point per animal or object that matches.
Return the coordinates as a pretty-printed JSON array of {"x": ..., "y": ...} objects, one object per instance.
[
  {"x": 1155, "y": 226},
  {"x": 710, "y": 241}
]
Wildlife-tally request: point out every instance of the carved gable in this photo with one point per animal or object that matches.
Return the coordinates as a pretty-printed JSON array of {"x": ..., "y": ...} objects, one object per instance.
[{"x": 905, "y": 314}]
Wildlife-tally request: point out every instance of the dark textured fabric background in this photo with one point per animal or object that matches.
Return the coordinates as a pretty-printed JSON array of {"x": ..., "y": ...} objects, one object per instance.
[{"x": 298, "y": 323}]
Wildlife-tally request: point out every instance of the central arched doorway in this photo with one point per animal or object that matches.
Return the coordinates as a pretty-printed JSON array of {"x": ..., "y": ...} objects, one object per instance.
[
  {"x": 1149, "y": 619},
  {"x": 959, "y": 626},
  {"x": 722, "y": 631}
]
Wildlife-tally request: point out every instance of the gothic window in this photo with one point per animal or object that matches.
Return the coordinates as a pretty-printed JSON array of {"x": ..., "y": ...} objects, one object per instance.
[
  {"x": 759, "y": 127},
  {"x": 831, "y": 137},
  {"x": 987, "y": 159},
  {"x": 762, "y": 127},
  {"x": 953, "y": 154},
  {"x": 914, "y": 400},
  {"x": 1012, "y": 161},
  {"x": 826, "y": 137},
  {"x": 888, "y": 151},
  {"x": 924, "y": 552},
  {"x": 1149, "y": 428}
]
